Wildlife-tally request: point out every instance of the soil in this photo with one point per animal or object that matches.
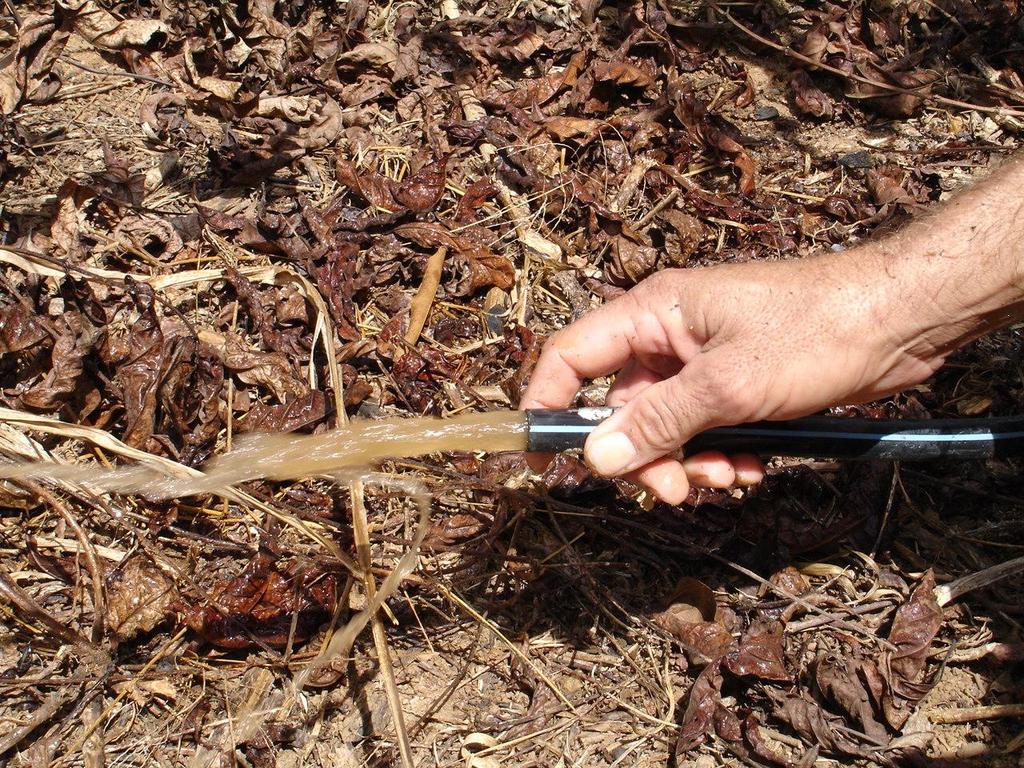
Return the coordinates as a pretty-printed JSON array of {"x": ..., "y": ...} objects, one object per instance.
[{"x": 312, "y": 159}]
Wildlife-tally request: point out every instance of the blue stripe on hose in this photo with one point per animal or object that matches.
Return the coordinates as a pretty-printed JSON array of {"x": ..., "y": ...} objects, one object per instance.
[{"x": 892, "y": 437}]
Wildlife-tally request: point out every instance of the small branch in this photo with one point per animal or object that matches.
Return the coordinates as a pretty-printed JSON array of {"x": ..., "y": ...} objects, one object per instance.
[
  {"x": 129, "y": 75},
  {"x": 947, "y": 593},
  {"x": 49, "y": 708},
  {"x": 970, "y": 714},
  {"x": 30, "y": 609},
  {"x": 424, "y": 298}
]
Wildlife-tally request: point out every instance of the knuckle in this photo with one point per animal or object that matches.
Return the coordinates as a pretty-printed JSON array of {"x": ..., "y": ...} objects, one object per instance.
[
  {"x": 658, "y": 424},
  {"x": 730, "y": 392}
]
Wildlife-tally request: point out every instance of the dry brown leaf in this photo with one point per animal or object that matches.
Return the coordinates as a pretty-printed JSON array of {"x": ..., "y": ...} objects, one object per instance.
[
  {"x": 139, "y": 596},
  {"x": 838, "y": 679},
  {"x": 809, "y": 98},
  {"x": 565, "y": 127},
  {"x": 624, "y": 72},
  {"x": 104, "y": 30},
  {"x": 630, "y": 261},
  {"x": 268, "y": 369},
  {"x": 373, "y": 55},
  {"x": 219, "y": 87},
  {"x": 27, "y": 72}
]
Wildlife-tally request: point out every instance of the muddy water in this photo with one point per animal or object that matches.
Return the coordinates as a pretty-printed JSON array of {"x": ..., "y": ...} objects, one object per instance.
[{"x": 292, "y": 456}]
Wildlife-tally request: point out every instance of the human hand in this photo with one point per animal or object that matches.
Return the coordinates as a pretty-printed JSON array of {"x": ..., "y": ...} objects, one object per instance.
[{"x": 699, "y": 348}]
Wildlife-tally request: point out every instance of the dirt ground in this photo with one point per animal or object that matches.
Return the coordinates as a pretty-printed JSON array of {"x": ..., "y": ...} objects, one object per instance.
[{"x": 219, "y": 219}]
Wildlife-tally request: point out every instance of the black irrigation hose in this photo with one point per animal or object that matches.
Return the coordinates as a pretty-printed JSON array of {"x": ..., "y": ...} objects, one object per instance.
[{"x": 815, "y": 436}]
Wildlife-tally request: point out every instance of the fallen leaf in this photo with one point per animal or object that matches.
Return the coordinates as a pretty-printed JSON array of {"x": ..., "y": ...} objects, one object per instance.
[
  {"x": 809, "y": 98},
  {"x": 423, "y": 190},
  {"x": 485, "y": 268},
  {"x": 139, "y": 596},
  {"x": 837, "y": 679},
  {"x": 624, "y": 72},
  {"x": 300, "y": 413},
  {"x": 564, "y": 127},
  {"x": 104, "y": 30},
  {"x": 19, "y": 329},
  {"x": 701, "y": 704},
  {"x": 630, "y": 262},
  {"x": 74, "y": 341},
  {"x": 268, "y": 369},
  {"x": 759, "y": 654},
  {"x": 264, "y": 606},
  {"x": 27, "y": 73},
  {"x": 374, "y": 188},
  {"x": 913, "y": 629}
]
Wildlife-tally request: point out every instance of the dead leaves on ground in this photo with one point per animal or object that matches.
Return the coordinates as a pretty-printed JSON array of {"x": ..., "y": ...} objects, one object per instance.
[{"x": 853, "y": 700}]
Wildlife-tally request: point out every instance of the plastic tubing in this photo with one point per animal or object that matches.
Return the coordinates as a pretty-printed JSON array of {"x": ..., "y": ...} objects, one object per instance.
[{"x": 835, "y": 437}]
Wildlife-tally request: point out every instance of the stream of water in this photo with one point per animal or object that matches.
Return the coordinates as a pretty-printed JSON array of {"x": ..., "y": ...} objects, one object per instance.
[{"x": 278, "y": 456}]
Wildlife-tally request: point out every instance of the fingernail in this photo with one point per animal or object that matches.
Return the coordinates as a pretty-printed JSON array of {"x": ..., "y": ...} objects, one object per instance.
[{"x": 610, "y": 454}]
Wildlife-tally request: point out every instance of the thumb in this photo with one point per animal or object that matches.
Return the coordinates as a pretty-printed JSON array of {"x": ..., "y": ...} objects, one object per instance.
[{"x": 660, "y": 419}]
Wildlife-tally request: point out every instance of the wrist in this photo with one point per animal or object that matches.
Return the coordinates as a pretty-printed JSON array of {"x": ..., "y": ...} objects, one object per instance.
[{"x": 955, "y": 275}]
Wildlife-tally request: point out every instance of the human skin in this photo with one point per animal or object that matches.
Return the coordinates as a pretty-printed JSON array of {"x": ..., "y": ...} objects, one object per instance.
[{"x": 699, "y": 348}]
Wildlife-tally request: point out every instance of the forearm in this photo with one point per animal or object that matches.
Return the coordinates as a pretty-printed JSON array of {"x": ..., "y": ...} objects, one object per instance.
[{"x": 955, "y": 274}]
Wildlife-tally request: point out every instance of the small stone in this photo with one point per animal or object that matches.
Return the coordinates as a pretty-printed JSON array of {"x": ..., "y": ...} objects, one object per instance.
[
  {"x": 859, "y": 159},
  {"x": 765, "y": 113}
]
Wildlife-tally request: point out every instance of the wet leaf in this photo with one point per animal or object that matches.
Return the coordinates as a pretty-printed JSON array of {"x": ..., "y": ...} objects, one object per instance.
[
  {"x": 300, "y": 413},
  {"x": 701, "y": 704},
  {"x": 75, "y": 340},
  {"x": 759, "y": 654},
  {"x": 261, "y": 605},
  {"x": 271, "y": 370},
  {"x": 139, "y": 597},
  {"x": 423, "y": 190},
  {"x": 377, "y": 190},
  {"x": 19, "y": 329},
  {"x": 139, "y": 360}
]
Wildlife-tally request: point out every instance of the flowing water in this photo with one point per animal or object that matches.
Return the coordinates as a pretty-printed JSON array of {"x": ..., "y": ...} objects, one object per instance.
[{"x": 277, "y": 456}]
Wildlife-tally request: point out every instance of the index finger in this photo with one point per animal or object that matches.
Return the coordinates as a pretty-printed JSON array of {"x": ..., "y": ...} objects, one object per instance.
[{"x": 599, "y": 343}]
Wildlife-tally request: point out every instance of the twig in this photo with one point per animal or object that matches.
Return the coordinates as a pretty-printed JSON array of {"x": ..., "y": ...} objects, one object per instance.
[
  {"x": 848, "y": 626},
  {"x": 661, "y": 205},
  {"x": 87, "y": 549},
  {"x": 947, "y": 593},
  {"x": 360, "y": 530},
  {"x": 424, "y": 298},
  {"x": 32, "y": 610},
  {"x": 819, "y": 621},
  {"x": 860, "y": 78},
  {"x": 970, "y": 714},
  {"x": 129, "y": 75},
  {"x": 47, "y": 710}
]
